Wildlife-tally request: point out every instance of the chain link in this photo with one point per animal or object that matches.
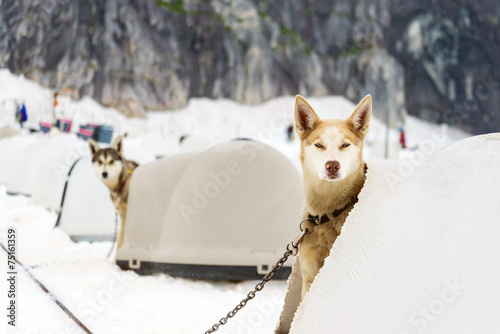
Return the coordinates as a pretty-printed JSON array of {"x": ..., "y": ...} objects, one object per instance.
[{"x": 291, "y": 249}]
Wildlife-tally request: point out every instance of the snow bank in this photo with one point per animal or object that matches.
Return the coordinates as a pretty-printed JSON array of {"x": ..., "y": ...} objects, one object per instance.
[
  {"x": 18, "y": 89},
  {"x": 88, "y": 111},
  {"x": 419, "y": 252},
  {"x": 206, "y": 122}
]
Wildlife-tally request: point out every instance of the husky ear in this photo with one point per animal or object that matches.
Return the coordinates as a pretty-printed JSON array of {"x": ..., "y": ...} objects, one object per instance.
[
  {"x": 305, "y": 117},
  {"x": 360, "y": 118},
  {"x": 118, "y": 145},
  {"x": 94, "y": 147}
]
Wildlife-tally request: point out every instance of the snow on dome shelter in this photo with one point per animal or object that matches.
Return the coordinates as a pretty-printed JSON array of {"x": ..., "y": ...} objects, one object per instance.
[
  {"x": 418, "y": 252},
  {"x": 226, "y": 213},
  {"x": 87, "y": 212}
]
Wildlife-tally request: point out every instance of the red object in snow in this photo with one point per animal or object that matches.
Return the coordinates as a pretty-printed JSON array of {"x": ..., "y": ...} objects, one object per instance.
[
  {"x": 66, "y": 125},
  {"x": 402, "y": 139}
]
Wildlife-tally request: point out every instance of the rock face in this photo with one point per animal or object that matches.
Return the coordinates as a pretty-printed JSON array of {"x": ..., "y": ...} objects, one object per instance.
[
  {"x": 436, "y": 60},
  {"x": 449, "y": 50}
]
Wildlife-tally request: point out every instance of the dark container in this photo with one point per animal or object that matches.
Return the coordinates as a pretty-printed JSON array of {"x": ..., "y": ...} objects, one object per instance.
[
  {"x": 104, "y": 134},
  {"x": 45, "y": 127},
  {"x": 85, "y": 134}
]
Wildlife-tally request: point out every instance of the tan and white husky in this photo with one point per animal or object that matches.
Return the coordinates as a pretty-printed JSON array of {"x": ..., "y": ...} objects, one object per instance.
[
  {"x": 115, "y": 172},
  {"x": 334, "y": 173}
]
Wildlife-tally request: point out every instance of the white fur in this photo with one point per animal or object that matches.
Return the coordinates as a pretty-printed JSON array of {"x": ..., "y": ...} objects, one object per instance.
[
  {"x": 114, "y": 171},
  {"x": 332, "y": 139}
]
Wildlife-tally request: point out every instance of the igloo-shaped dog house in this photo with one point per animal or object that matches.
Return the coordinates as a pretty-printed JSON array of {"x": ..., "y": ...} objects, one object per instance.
[
  {"x": 26, "y": 171},
  {"x": 10, "y": 149},
  {"x": 87, "y": 212},
  {"x": 49, "y": 185},
  {"x": 6, "y": 132},
  {"x": 418, "y": 252},
  {"x": 226, "y": 213}
]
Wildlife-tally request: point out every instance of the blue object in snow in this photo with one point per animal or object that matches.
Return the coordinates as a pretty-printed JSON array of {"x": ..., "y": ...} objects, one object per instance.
[{"x": 22, "y": 115}]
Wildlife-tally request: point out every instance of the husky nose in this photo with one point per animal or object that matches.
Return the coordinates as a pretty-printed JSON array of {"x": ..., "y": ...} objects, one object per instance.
[
  {"x": 104, "y": 174},
  {"x": 332, "y": 166}
]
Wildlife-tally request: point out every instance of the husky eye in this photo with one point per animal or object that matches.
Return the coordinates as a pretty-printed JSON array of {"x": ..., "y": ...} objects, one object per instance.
[
  {"x": 318, "y": 145},
  {"x": 346, "y": 145},
  {"x": 111, "y": 162},
  {"x": 99, "y": 162}
]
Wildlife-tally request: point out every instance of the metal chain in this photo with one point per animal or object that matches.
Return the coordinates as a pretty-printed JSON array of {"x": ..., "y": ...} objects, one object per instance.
[
  {"x": 115, "y": 237},
  {"x": 291, "y": 249}
]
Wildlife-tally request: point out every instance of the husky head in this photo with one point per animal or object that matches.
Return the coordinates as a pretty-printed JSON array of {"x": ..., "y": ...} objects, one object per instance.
[
  {"x": 108, "y": 162},
  {"x": 332, "y": 149}
]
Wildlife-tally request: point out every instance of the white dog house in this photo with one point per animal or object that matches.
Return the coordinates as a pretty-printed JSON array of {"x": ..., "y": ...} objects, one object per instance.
[
  {"x": 87, "y": 213},
  {"x": 52, "y": 174},
  {"x": 26, "y": 172},
  {"x": 10, "y": 149},
  {"x": 25, "y": 169},
  {"x": 419, "y": 252},
  {"x": 6, "y": 132},
  {"x": 226, "y": 213}
]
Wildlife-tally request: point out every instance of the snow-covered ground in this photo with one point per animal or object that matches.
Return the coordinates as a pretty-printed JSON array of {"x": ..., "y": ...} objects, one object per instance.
[{"x": 109, "y": 300}]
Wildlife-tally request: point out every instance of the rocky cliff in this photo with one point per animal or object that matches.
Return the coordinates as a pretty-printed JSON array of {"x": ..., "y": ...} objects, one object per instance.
[{"x": 434, "y": 59}]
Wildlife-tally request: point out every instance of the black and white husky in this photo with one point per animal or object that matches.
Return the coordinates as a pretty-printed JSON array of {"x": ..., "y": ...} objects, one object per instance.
[{"x": 115, "y": 172}]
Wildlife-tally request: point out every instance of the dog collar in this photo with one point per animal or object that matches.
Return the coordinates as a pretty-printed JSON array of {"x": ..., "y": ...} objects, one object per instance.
[
  {"x": 318, "y": 220},
  {"x": 120, "y": 187}
]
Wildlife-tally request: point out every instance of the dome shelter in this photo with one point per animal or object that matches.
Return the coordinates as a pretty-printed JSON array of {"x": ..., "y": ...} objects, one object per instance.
[
  {"x": 417, "y": 252},
  {"x": 49, "y": 185},
  {"x": 10, "y": 149},
  {"x": 226, "y": 213},
  {"x": 6, "y": 132},
  {"x": 26, "y": 171},
  {"x": 87, "y": 212}
]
